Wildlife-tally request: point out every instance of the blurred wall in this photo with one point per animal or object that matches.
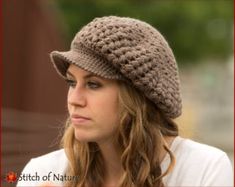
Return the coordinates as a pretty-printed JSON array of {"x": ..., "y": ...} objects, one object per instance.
[{"x": 34, "y": 97}]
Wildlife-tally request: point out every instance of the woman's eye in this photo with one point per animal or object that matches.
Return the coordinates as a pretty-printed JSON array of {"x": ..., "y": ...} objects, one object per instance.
[
  {"x": 93, "y": 85},
  {"x": 71, "y": 83}
]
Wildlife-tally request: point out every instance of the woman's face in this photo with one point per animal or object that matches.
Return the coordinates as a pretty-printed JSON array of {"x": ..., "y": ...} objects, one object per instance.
[{"x": 92, "y": 105}]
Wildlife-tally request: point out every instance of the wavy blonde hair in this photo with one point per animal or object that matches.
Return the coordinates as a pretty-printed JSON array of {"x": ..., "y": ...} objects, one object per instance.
[{"x": 140, "y": 138}]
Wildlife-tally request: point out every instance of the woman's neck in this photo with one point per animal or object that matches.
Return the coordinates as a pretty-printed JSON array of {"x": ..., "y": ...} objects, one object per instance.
[
  {"x": 112, "y": 161},
  {"x": 112, "y": 164}
]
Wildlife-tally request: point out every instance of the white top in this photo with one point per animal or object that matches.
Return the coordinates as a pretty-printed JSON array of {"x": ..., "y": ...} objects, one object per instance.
[{"x": 196, "y": 165}]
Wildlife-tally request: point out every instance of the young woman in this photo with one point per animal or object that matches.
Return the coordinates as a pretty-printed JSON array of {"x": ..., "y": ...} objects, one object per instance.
[{"x": 124, "y": 93}]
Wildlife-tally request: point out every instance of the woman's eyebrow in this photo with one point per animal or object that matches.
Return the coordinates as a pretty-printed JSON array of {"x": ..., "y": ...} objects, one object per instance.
[
  {"x": 68, "y": 73},
  {"x": 89, "y": 75}
]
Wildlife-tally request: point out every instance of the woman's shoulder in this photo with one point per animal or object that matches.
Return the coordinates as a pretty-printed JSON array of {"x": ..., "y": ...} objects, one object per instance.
[
  {"x": 190, "y": 147},
  {"x": 199, "y": 164},
  {"x": 58, "y": 155},
  {"x": 195, "y": 155},
  {"x": 48, "y": 167},
  {"x": 55, "y": 161}
]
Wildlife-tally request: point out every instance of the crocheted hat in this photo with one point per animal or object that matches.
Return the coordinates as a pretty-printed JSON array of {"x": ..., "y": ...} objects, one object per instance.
[{"x": 126, "y": 48}]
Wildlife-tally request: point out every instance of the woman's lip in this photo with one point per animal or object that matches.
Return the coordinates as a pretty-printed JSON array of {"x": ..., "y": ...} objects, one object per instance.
[
  {"x": 79, "y": 120},
  {"x": 78, "y": 116}
]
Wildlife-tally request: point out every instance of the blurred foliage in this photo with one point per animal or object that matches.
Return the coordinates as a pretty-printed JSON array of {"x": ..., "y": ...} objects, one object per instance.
[{"x": 195, "y": 29}]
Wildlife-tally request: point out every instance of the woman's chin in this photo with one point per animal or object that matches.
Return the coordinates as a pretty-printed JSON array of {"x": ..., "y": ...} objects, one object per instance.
[{"x": 82, "y": 138}]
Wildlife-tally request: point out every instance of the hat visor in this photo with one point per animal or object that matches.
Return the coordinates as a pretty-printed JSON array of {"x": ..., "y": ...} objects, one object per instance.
[{"x": 89, "y": 62}]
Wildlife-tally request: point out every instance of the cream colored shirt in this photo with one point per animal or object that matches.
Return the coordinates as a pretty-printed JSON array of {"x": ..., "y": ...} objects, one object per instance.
[{"x": 196, "y": 165}]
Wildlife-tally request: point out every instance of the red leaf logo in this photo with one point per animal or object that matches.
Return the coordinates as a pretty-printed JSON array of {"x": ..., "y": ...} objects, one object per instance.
[{"x": 11, "y": 177}]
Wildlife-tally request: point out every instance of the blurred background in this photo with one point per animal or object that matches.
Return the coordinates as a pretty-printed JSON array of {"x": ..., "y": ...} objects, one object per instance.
[{"x": 34, "y": 97}]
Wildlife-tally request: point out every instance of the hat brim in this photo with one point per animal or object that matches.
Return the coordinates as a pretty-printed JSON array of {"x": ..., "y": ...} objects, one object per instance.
[{"x": 88, "y": 62}]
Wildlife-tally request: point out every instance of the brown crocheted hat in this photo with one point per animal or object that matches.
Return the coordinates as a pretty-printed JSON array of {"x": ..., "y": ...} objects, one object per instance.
[{"x": 126, "y": 48}]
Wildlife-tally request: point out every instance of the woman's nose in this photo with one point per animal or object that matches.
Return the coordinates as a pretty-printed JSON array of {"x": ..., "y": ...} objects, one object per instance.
[{"x": 76, "y": 96}]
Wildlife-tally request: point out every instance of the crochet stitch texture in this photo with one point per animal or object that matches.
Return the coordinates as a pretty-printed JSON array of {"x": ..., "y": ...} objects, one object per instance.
[{"x": 126, "y": 48}]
